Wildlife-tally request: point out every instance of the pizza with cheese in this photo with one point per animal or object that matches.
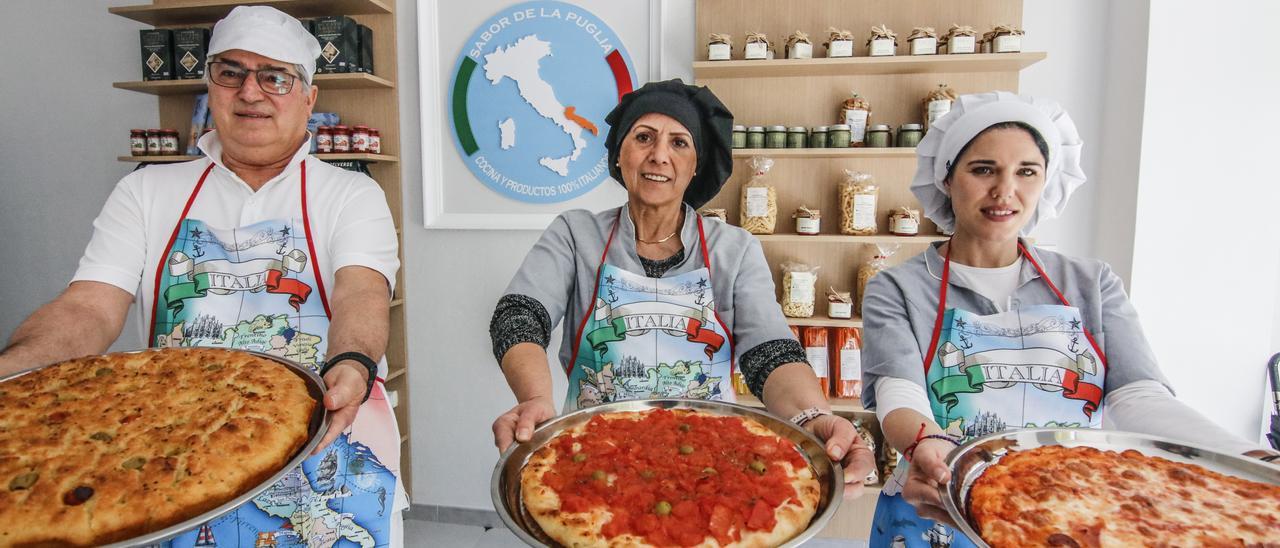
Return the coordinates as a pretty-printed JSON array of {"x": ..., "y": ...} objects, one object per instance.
[
  {"x": 1086, "y": 497},
  {"x": 105, "y": 448},
  {"x": 670, "y": 478}
]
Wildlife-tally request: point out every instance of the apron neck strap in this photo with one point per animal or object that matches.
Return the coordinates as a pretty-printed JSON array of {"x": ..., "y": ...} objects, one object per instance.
[
  {"x": 942, "y": 304},
  {"x": 155, "y": 298},
  {"x": 311, "y": 246}
]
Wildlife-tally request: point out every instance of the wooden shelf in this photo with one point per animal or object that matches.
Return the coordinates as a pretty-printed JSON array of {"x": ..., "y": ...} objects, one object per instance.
[
  {"x": 842, "y": 405},
  {"x": 328, "y": 157},
  {"x": 397, "y": 302},
  {"x": 404, "y": 438},
  {"x": 848, "y": 66},
  {"x": 823, "y": 321},
  {"x": 393, "y": 375},
  {"x": 841, "y": 238},
  {"x": 208, "y": 11},
  {"x": 861, "y": 152},
  {"x": 351, "y": 80}
]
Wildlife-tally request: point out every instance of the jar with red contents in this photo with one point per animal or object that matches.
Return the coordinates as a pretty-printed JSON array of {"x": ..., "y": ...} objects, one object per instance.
[
  {"x": 169, "y": 142},
  {"x": 341, "y": 139},
  {"x": 138, "y": 142},
  {"x": 375, "y": 141},
  {"x": 324, "y": 140},
  {"x": 153, "y": 142},
  {"x": 360, "y": 139}
]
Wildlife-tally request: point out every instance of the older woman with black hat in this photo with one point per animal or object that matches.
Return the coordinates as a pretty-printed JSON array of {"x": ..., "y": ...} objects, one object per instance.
[{"x": 657, "y": 303}]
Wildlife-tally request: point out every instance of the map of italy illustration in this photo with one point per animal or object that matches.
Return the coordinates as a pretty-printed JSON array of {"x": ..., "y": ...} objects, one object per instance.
[{"x": 520, "y": 62}]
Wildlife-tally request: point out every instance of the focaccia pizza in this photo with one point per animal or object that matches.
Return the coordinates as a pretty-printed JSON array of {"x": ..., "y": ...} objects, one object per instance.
[
  {"x": 670, "y": 478},
  {"x": 105, "y": 448},
  {"x": 1082, "y": 496}
]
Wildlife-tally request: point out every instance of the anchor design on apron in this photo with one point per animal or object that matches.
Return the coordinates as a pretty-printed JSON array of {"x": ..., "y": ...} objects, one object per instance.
[
  {"x": 651, "y": 337},
  {"x": 1030, "y": 367},
  {"x": 253, "y": 288}
]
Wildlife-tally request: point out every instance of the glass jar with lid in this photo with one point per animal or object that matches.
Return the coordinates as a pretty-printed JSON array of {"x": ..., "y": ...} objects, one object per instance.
[
  {"x": 755, "y": 137},
  {"x": 739, "y": 136},
  {"x": 838, "y": 136},
  {"x": 797, "y": 137},
  {"x": 878, "y": 136},
  {"x": 818, "y": 137},
  {"x": 775, "y": 137},
  {"x": 909, "y": 135}
]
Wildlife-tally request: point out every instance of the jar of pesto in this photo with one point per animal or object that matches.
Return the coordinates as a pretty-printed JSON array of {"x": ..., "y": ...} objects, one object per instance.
[
  {"x": 878, "y": 136},
  {"x": 775, "y": 137},
  {"x": 755, "y": 137},
  {"x": 838, "y": 136},
  {"x": 818, "y": 137},
  {"x": 797, "y": 137}
]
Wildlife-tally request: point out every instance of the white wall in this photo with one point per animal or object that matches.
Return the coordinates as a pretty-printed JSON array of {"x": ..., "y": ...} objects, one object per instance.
[
  {"x": 454, "y": 277},
  {"x": 63, "y": 127},
  {"x": 1206, "y": 260}
]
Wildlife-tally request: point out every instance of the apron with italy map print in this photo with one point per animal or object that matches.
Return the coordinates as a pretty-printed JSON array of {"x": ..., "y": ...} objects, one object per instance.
[
  {"x": 1031, "y": 367},
  {"x": 257, "y": 287},
  {"x": 651, "y": 338}
]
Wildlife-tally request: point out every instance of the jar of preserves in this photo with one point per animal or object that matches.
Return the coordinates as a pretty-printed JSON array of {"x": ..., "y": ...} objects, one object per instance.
[
  {"x": 138, "y": 142},
  {"x": 775, "y": 137},
  {"x": 838, "y": 136},
  {"x": 904, "y": 221},
  {"x": 341, "y": 139},
  {"x": 878, "y": 136},
  {"x": 755, "y": 137},
  {"x": 169, "y": 142},
  {"x": 324, "y": 140},
  {"x": 797, "y": 137},
  {"x": 739, "y": 136},
  {"x": 153, "y": 142},
  {"x": 818, "y": 138},
  {"x": 808, "y": 221},
  {"x": 375, "y": 141},
  {"x": 360, "y": 139},
  {"x": 909, "y": 135}
]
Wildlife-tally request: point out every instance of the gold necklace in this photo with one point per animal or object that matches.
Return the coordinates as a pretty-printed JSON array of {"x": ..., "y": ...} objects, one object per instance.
[{"x": 643, "y": 241}]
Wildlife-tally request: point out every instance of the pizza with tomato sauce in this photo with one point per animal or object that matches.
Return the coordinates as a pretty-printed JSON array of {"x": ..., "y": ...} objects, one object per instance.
[
  {"x": 1085, "y": 497},
  {"x": 670, "y": 478}
]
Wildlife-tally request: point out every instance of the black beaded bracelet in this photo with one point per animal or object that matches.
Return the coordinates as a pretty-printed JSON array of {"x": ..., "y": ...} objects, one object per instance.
[{"x": 359, "y": 358}]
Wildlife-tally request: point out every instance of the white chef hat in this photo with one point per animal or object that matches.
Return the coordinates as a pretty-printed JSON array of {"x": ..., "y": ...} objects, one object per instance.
[
  {"x": 969, "y": 116},
  {"x": 268, "y": 32}
]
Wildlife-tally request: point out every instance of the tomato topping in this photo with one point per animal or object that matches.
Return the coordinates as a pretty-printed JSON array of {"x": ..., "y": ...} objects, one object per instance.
[{"x": 675, "y": 478}]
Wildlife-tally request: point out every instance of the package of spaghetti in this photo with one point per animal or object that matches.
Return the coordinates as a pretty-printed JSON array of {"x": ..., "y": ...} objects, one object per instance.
[
  {"x": 846, "y": 362},
  {"x": 814, "y": 340}
]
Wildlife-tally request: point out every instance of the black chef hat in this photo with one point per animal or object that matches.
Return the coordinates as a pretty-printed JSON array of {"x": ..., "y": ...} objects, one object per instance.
[{"x": 709, "y": 122}]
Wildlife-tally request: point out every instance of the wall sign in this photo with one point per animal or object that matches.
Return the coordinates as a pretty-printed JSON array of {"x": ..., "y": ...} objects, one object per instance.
[{"x": 529, "y": 94}]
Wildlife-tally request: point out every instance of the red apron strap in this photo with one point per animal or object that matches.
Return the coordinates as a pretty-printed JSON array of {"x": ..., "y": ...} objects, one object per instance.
[
  {"x": 706, "y": 259},
  {"x": 582, "y": 326},
  {"x": 942, "y": 306},
  {"x": 311, "y": 246},
  {"x": 155, "y": 297},
  {"x": 1062, "y": 298}
]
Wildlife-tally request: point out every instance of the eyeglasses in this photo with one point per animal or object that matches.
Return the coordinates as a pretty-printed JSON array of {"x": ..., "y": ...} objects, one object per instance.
[{"x": 273, "y": 81}]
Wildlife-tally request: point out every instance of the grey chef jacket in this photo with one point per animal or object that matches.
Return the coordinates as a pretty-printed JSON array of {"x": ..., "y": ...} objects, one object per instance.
[
  {"x": 901, "y": 306},
  {"x": 560, "y": 273}
]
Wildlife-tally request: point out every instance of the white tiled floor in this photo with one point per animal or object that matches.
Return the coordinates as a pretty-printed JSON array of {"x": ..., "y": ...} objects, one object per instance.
[{"x": 447, "y": 535}]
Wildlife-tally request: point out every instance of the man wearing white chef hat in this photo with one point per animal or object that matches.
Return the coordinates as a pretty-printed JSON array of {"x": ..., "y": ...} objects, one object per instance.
[{"x": 256, "y": 246}]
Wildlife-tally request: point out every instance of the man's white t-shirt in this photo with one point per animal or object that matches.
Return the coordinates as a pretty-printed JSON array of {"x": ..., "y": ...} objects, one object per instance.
[{"x": 350, "y": 221}]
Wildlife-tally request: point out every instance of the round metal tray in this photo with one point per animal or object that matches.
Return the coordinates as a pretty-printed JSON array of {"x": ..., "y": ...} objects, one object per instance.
[
  {"x": 505, "y": 486},
  {"x": 970, "y": 460},
  {"x": 316, "y": 428}
]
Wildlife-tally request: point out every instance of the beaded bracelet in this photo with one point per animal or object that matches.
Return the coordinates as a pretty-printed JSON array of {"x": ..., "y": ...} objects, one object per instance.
[{"x": 920, "y": 436}]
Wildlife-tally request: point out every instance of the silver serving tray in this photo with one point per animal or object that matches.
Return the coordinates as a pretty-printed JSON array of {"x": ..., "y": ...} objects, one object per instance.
[
  {"x": 315, "y": 431},
  {"x": 970, "y": 460},
  {"x": 505, "y": 485}
]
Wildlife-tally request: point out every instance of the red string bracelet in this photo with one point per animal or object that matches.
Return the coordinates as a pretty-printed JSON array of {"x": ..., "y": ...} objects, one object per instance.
[{"x": 911, "y": 449}]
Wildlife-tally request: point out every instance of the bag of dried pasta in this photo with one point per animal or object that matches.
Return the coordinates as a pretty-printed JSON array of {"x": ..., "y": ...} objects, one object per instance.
[
  {"x": 858, "y": 196},
  {"x": 799, "y": 289},
  {"x": 814, "y": 340},
  {"x": 872, "y": 267},
  {"x": 759, "y": 207},
  {"x": 846, "y": 362}
]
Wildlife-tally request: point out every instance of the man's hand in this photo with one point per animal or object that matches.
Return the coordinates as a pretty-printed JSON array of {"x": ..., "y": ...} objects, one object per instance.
[
  {"x": 346, "y": 383},
  {"x": 517, "y": 424},
  {"x": 927, "y": 474},
  {"x": 844, "y": 446}
]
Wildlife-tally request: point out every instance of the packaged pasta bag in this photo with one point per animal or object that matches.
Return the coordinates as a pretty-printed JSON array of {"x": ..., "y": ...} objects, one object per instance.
[
  {"x": 870, "y": 268},
  {"x": 759, "y": 207},
  {"x": 846, "y": 362},
  {"x": 799, "y": 286},
  {"x": 814, "y": 340},
  {"x": 858, "y": 195}
]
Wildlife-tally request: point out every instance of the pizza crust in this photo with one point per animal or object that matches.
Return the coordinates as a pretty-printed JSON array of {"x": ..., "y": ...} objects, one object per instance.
[
  {"x": 157, "y": 436},
  {"x": 582, "y": 529}
]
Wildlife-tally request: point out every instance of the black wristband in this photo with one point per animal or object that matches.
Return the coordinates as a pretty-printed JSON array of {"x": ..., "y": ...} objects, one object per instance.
[{"x": 359, "y": 358}]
